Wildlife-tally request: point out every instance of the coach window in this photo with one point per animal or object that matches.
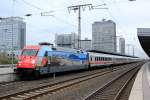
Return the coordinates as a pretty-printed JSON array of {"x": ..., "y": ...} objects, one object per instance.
[
  {"x": 91, "y": 58},
  {"x": 109, "y": 59}
]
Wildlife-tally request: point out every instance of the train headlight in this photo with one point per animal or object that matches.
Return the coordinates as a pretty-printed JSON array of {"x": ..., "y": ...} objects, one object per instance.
[
  {"x": 33, "y": 61},
  {"x": 19, "y": 64}
]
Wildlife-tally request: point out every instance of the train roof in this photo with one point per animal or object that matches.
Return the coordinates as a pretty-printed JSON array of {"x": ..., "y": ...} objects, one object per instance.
[
  {"x": 32, "y": 47},
  {"x": 68, "y": 49},
  {"x": 117, "y": 54}
]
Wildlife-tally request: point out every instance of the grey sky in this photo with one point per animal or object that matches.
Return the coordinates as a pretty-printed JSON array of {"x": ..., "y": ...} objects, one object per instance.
[{"x": 127, "y": 15}]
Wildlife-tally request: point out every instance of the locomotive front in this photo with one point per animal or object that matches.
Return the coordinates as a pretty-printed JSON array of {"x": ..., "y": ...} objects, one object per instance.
[{"x": 27, "y": 61}]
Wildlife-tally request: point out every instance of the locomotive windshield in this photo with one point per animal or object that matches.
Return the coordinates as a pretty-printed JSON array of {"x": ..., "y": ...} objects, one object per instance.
[{"x": 29, "y": 52}]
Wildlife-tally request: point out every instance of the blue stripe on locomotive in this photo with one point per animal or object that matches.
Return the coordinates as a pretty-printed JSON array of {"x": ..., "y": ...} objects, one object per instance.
[{"x": 69, "y": 55}]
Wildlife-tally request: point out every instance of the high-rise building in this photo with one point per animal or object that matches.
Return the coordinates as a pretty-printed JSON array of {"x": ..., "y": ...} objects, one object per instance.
[
  {"x": 66, "y": 40},
  {"x": 122, "y": 45},
  {"x": 12, "y": 33},
  {"x": 86, "y": 44},
  {"x": 104, "y": 36}
]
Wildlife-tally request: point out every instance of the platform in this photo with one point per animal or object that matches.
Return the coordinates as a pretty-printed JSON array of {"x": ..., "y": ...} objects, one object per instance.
[
  {"x": 141, "y": 86},
  {"x": 7, "y": 70}
]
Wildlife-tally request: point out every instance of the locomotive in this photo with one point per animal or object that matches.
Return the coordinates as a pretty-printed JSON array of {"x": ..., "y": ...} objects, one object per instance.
[{"x": 36, "y": 60}]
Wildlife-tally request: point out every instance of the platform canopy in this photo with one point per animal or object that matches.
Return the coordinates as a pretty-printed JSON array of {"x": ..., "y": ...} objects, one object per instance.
[
  {"x": 144, "y": 38},
  {"x": 145, "y": 43}
]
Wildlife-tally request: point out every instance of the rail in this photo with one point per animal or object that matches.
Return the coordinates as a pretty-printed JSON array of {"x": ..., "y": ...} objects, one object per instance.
[
  {"x": 44, "y": 89},
  {"x": 49, "y": 88},
  {"x": 99, "y": 92}
]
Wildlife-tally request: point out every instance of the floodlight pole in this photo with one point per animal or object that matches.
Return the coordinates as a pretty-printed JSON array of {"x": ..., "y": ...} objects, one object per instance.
[{"x": 79, "y": 28}]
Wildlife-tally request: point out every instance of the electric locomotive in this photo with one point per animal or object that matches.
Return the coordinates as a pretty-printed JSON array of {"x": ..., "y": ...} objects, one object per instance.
[
  {"x": 38, "y": 60},
  {"x": 42, "y": 59}
]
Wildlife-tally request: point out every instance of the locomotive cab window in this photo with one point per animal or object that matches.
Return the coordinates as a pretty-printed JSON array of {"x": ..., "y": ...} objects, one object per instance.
[{"x": 29, "y": 52}]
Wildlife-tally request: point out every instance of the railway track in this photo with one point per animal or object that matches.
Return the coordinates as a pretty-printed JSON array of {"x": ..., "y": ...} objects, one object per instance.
[
  {"x": 50, "y": 88},
  {"x": 20, "y": 81},
  {"x": 24, "y": 84},
  {"x": 113, "y": 89},
  {"x": 17, "y": 81},
  {"x": 36, "y": 92}
]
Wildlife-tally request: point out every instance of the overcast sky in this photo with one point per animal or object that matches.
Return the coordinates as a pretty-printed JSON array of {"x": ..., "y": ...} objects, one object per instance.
[{"x": 128, "y": 17}]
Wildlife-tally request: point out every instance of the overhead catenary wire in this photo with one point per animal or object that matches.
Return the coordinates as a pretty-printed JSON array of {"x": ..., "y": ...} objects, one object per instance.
[
  {"x": 62, "y": 20},
  {"x": 45, "y": 13},
  {"x": 32, "y": 5},
  {"x": 112, "y": 16}
]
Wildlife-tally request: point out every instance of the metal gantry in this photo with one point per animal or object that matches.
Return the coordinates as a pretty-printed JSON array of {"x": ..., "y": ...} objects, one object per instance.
[
  {"x": 75, "y": 8},
  {"x": 79, "y": 8}
]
